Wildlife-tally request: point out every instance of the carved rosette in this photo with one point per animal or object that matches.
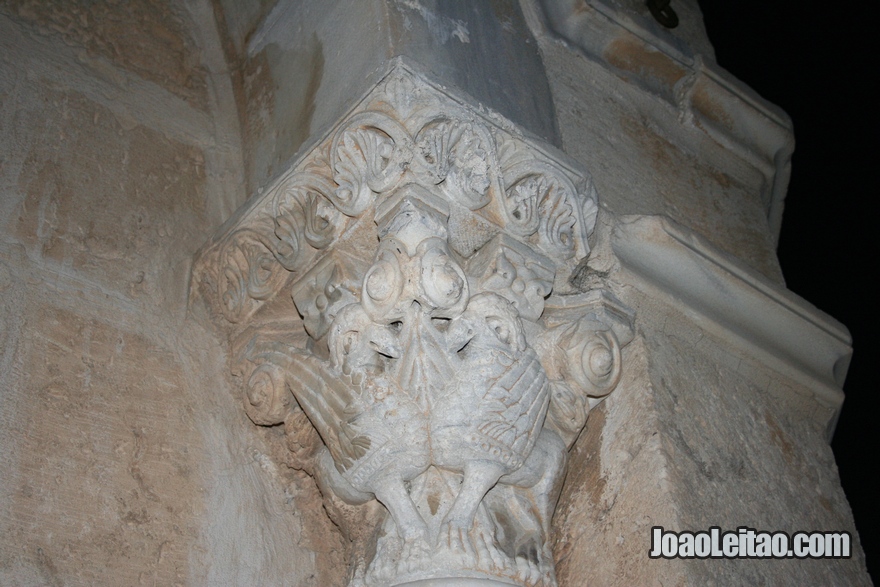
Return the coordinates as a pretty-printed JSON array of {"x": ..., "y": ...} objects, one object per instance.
[{"x": 403, "y": 293}]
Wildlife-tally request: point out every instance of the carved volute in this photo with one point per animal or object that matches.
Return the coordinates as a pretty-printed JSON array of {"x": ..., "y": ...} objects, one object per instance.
[{"x": 405, "y": 292}]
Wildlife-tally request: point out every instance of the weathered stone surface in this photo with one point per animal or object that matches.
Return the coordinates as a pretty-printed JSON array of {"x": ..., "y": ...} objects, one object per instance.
[
  {"x": 428, "y": 372},
  {"x": 102, "y": 199},
  {"x": 616, "y": 490},
  {"x": 128, "y": 452},
  {"x": 695, "y": 436},
  {"x": 678, "y": 443},
  {"x": 117, "y": 465},
  {"x": 672, "y": 155},
  {"x": 716, "y": 473},
  {"x": 104, "y": 487},
  {"x": 148, "y": 37},
  {"x": 295, "y": 86},
  {"x": 738, "y": 304}
]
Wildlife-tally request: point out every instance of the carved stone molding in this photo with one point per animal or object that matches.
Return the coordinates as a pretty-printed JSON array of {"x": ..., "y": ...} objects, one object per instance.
[
  {"x": 740, "y": 305},
  {"x": 400, "y": 301},
  {"x": 708, "y": 97}
]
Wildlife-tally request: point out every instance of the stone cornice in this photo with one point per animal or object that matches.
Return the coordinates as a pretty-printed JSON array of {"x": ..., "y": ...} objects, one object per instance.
[
  {"x": 706, "y": 96},
  {"x": 748, "y": 309}
]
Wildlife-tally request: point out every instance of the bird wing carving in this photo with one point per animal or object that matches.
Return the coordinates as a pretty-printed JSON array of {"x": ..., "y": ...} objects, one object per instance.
[
  {"x": 513, "y": 406},
  {"x": 328, "y": 400}
]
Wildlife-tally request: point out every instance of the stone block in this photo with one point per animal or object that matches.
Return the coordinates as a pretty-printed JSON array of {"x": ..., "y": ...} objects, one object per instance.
[
  {"x": 103, "y": 199},
  {"x": 101, "y": 482},
  {"x": 150, "y": 38}
]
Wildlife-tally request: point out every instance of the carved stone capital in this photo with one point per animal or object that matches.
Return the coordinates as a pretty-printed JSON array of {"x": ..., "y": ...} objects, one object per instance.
[{"x": 389, "y": 300}]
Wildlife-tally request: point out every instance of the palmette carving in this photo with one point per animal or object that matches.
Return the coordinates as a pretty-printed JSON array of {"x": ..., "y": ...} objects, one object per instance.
[
  {"x": 426, "y": 371},
  {"x": 488, "y": 172},
  {"x": 368, "y": 156},
  {"x": 289, "y": 226},
  {"x": 457, "y": 155}
]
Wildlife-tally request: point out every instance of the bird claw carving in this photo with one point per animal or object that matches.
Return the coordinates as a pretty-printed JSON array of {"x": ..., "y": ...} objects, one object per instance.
[
  {"x": 487, "y": 552},
  {"x": 416, "y": 551},
  {"x": 432, "y": 355},
  {"x": 456, "y": 535},
  {"x": 527, "y": 570}
]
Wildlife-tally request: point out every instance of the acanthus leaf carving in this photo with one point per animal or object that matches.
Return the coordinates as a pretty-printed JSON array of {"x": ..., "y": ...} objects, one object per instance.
[
  {"x": 350, "y": 170},
  {"x": 558, "y": 219},
  {"x": 249, "y": 271},
  {"x": 367, "y": 156},
  {"x": 289, "y": 224},
  {"x": 304, "y": 199},
  {"x": 435, "y": 373},
  {"x": 521, "y": 204},
  {"x": 458, "y": 154},
  {"x": 542, "y": 199}
]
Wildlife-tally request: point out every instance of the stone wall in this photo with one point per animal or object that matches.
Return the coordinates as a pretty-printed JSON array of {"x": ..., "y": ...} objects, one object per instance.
[
  {"x": 131, "y": 132},
  {"x": 126, "y": 456},
  {"x": 632, "y": 99},
  {"x": 705, "y": 429},
  {"x": 699, "y": 434}
]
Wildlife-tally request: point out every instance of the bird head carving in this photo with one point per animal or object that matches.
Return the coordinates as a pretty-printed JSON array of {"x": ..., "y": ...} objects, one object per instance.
[
  {"x": 358, "y": 345},
  {"x": 489, "y": 321}
]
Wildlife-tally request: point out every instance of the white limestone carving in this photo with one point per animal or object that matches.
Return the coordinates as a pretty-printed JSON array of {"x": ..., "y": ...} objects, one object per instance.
[
  {"x": 520, "y": 274},
  {"x": 419, "y": 246}
]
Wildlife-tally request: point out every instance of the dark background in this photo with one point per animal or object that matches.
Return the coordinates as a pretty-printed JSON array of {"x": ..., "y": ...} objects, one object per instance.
[{"x": 819, "y": 62}]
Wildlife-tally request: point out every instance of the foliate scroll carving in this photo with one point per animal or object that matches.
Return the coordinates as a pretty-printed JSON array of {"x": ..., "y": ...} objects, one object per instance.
[
  {"x": 581, "y": 348},
  {"x": 407, "y": 133},
  {"x": 441, "y": 374},
  {"x": 248, "y": 272},
  {"x": 304, "y": 202},
  {"x": 459, "y": 156},
  {"x": 542, "y": 200},
  {"x": 268, "y": 398}
]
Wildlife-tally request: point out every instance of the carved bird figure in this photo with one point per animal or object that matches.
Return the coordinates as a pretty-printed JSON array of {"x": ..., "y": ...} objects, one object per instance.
[
  {"x": 376, "y": 435},
  {"x": 487, "y": 422}
]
